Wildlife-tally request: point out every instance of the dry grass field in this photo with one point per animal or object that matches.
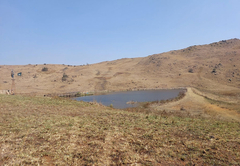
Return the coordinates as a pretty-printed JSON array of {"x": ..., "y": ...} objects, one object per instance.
[
  {"x": 200, "y": 128},
  {"x": 54, "y": 131}
]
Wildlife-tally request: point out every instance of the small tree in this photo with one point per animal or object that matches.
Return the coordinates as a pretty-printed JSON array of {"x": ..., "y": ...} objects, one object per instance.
[{"x": 64, "y": 77}]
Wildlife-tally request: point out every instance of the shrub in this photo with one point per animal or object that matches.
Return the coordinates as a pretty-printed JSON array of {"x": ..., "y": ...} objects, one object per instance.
[
  {"x": 64, "y": 77},
  {"x": 98, "y": 73},
  {"x": 45, "y": 69},
  {"x": 78, "y": 94},
  {"x": 214, "y": 70},
  {"x": 190, "y": 70}
]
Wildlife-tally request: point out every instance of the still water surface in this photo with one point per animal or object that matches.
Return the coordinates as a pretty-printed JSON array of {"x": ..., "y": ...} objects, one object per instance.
[{"x": 120, "y": 99}]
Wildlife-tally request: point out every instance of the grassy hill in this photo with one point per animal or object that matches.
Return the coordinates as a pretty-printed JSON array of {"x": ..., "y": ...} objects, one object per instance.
[
  {"x": 213, "y": 66},
  {"x": 202, "y": 128}
]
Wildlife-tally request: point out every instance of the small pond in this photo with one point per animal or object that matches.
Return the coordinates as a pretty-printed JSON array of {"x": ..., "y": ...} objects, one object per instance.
[{"x": 120, "y": 99}]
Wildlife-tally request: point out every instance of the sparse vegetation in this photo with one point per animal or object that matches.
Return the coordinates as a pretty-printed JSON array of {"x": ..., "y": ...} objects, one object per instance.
[
  {"x": 145, "y": 105},
  {"x": 78, "y": 94},
  {"x": 64, "y": 77},
  {"x": 44, "y": 131},
  {"x": 98, "y": 73},
  {"x": 45, "y": 69},
  {"x": 200, "y": 129},
  {"x": 214, "y": 70},
  {"x": 190, "y": 70}
]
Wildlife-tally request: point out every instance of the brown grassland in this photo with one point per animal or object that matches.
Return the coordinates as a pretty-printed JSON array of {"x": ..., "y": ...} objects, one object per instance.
[
  {"x": 214, "y": 67},
  {"x": 201, "y": 127},
  {"x": 56, "y": 131}
]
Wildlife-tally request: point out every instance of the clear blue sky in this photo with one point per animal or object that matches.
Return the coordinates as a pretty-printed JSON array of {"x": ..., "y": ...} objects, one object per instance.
[{"x": 77, "y": 32}]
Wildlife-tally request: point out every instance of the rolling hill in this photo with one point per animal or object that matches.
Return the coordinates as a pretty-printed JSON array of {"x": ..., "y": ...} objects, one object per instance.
[{"x": 214, "y": 66}]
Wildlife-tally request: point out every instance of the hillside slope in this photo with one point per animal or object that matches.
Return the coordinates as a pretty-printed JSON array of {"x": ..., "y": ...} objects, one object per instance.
[{"x": 214, "y": 66}]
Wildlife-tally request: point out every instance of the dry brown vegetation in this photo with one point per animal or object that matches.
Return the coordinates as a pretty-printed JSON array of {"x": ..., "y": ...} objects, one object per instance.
[
  {"x": 214, "y": 66},
  {"x": 201, "y": 127},
  {"x": 47, "y": 131}
]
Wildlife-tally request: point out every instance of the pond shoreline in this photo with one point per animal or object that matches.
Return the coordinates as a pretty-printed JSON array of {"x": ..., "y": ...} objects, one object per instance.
[
  {"x": 95, "y": 93},
  {"x": 125, "y": 99}
]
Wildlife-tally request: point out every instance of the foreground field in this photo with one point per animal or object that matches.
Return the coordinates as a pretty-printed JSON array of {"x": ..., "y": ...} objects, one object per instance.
[{"x": 45, "y": 131}]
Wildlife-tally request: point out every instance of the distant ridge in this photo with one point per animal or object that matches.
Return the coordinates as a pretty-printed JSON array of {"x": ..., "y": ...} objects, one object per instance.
[{"x": 214, "y": 66}]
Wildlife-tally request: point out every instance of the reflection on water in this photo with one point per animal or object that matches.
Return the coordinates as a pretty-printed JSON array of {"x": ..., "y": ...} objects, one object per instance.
[{"x": 120, "y": 99}]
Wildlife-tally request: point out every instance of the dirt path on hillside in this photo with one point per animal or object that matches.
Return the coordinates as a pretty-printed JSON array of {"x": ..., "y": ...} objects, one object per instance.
[{"x": 197, "y": 105}]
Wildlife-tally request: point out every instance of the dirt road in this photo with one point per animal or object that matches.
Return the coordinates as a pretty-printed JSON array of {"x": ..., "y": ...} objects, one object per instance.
[{"x": 196, "y": 104}]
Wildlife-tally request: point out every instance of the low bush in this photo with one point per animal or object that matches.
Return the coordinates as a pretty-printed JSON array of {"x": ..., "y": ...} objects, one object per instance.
[
  {"x": 190, "y": 70},
  {"x": 64, "y": 77},
  {"x": 45, "y": 69}
]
